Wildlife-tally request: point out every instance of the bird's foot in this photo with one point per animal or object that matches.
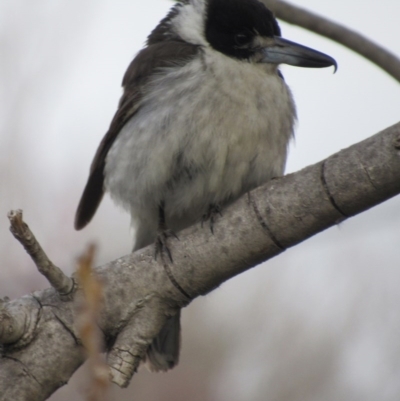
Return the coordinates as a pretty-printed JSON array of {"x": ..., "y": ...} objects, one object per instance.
[
  {"x": 211, "y": 215},
  {"x": 161, "y": 245}
]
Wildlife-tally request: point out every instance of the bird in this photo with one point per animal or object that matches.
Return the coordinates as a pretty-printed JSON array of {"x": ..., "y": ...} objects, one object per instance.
[{"x": 205, "y": 116}]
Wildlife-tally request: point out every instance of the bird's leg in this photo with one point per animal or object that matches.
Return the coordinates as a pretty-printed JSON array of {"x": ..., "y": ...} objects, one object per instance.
[
  {"x": 163, "y": 233},
  {"x": 211, "y": 215}
]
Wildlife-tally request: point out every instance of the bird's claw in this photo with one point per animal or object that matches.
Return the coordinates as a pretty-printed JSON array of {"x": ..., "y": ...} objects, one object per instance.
[
  {"x": 212, "y": 212},
  {"x": 161, "y": 243}
]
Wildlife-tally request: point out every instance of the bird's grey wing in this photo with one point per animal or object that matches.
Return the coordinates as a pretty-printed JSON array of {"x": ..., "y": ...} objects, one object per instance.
[{"x": 152, "y": 58}]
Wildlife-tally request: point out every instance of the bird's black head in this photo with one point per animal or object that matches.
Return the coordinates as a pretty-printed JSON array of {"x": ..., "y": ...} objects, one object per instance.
[
  {"x": 247, "y": 30},
  {"x": 232, "y": 25}
]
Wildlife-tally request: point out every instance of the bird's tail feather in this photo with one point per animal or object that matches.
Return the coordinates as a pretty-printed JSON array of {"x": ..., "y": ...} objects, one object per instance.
[{"x": 163, "y": 353}]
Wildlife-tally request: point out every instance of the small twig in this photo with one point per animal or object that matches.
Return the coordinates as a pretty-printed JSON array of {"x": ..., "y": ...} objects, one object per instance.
[
  {"x": 63, "y": 284},
  {"x": 339, "y": 33}
]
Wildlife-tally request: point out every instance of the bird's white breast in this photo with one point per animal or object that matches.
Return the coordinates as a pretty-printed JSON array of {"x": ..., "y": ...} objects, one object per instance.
[{"x": 205, "y": 133}]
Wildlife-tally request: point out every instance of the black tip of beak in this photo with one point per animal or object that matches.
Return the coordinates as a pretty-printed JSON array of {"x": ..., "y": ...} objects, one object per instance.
[
  {"x": 319, "y": 60},
  {"x": 314, "y": 59}
]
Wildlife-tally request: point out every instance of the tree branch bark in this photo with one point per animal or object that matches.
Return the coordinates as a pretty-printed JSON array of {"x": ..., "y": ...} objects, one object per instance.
[
  {"x": 139, "y": 294},
  {"x": 339, "y": 33}
]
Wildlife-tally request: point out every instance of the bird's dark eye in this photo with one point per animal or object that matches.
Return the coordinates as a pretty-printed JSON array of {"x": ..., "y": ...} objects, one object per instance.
[{"x": 242, "y": 38}]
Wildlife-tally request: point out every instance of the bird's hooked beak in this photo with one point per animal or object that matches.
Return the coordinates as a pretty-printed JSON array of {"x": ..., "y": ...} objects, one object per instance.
[{"x": 283, "y": 51}]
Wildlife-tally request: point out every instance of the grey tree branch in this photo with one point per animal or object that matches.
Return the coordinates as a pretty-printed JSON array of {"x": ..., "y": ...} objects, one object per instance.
[
  {"x": 56, "y": 277},
  {"x": 339, "y": 33},
  {"x": 138, "y": 293}
]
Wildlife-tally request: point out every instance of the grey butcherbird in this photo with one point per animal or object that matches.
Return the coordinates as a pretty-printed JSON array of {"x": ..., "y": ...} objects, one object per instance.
[{"x": 205, "y": 116}]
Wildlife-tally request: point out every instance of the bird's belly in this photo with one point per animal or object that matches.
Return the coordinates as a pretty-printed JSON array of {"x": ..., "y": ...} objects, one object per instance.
[{"x": 201, "y": 138}]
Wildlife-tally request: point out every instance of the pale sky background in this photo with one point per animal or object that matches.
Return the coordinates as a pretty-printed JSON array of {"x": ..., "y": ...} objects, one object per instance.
[{"x": 320, "y": 322}]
